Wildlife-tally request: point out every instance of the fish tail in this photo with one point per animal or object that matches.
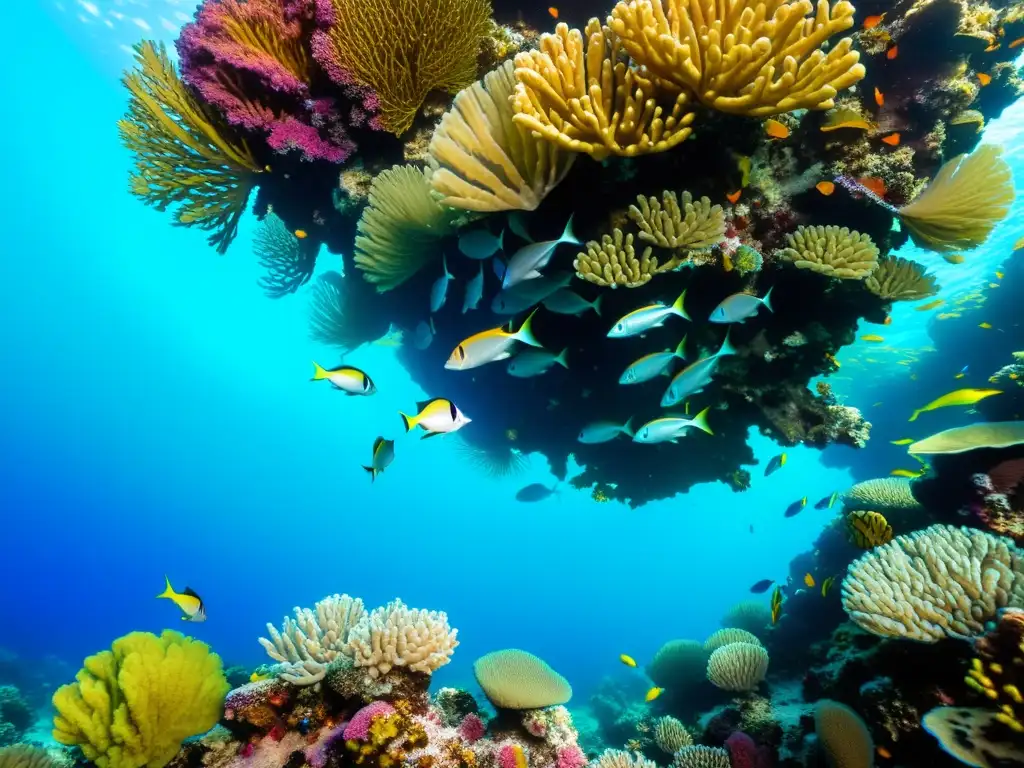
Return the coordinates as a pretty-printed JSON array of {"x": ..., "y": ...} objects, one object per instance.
[
  {"x": 408, "y": 421},
  {"x": 596, "y": 305},
  {"x": 501, "y": 240},
  {"x": 727, "y": 348},
  {"x": 168, "y": 590},
  {"x": 628, "y": 428},
  {"x": 444, "y": 265},
  {"x": 767, "y": 299},
  {"x": 561, "y": 359},
  {"x": 319, "y": 372},
  {"x": 678, "y": 307},
  {"x": 567, "y": 234},
  {"x": 681, "y": 349},
  {"x": 914, "y": 415},
  {"x": 372, "y": 471},
  {"x": 525, "y": 332},
  {"x": 700, "y": 421}
]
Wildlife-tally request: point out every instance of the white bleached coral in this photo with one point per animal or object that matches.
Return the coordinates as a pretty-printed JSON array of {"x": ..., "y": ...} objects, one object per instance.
[
  {"x": 314, "y": 638},
  {"x": 397, "y": 636},
  {"x": 940, "y": 582}
]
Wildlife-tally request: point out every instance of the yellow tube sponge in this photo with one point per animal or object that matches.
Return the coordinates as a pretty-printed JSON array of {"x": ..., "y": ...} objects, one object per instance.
[
  {"x": 745, "y": 57},
  {"x": 963, "y": 203},
  {"x": 483, "y": 161},
  {"x": 132, "y": 706},
  {"x": 672, "y": 224},
  {"x": 594, "y": 101}
]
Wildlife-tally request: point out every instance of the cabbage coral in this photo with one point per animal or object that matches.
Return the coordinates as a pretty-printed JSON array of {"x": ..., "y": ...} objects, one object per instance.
[{"x": 183, "y": 157}]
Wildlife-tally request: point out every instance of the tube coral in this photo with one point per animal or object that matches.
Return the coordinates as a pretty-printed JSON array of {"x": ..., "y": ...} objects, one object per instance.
[
  {"x": 182, "y": 156},
  {"x": 483, "y": 161},
  {"x": 593, "y": 101},
  {"x": 402, "y": 49},
  {"x": 745, "y": 57}
]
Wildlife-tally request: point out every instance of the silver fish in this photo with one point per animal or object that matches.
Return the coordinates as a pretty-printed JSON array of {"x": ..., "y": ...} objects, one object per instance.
[
  {"x": 519, "y": 298},
  {"x": 671, "y": 428},
  {"x": 739, "y": 307},
  {"x": 423, "y": 336},
  {"x": 695, "y": 376},
  {"x": 642, "y": 320},
  {"x": 474, "y": 290},
  {"x": 481, "y": 244},
  {"x": 534, "y": 362},
  {"x": 653, "y": 365},
  {"x": 530, "y": 259},
  {"x": 603, "y": 431},
  {"x": 439, "y": 291},
  {"x": 567, "y": 302}
]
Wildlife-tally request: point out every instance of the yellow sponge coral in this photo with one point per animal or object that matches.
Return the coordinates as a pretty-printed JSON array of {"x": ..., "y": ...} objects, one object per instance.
[{"x": 133, "y": 705}]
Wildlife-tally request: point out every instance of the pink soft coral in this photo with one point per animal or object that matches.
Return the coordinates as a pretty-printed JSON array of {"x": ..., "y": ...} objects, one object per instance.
[
  {"x": 472, "y": 728},
  {"x": 571, "y": 757},
  {"x": 358, "y": 728}
]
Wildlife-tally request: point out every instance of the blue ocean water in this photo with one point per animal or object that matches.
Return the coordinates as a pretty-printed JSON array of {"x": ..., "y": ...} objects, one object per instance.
[{"x": 157, "y": 418}]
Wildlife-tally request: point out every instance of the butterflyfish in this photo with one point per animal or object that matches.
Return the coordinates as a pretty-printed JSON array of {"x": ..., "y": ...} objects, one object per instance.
[
  {"x": 188, "y": 602},
  {"x": 435, "y": 417},
  {"x": 346, "y": 378}
]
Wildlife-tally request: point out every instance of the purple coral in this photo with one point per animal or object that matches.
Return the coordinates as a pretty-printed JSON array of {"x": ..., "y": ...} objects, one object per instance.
[
  {"x": 358, "y": 728},
  {"x": 571, "y": 757},
  {"x": 472, "y": 728}
]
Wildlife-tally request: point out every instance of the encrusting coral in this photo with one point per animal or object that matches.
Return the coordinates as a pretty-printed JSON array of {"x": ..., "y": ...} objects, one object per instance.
[
  {"x": 613, "y": 262},
  {"x": 899, "y": 279},
  {"x": 399, "y": 231},
  {"x": 935, "y": 583},
  {"x": 402, "y": 49},
  {"x": 182, "y": 156},
  {"x": 481, "y": 160},
  {"x": 670, "y": 223},
  {"x": 743, "y": 57},
  {"x": 132, "y": 706},
  {"x": 832, "y": 251},
  {"x": 591, "y": 100},
  {"x": 738, "y": 666}
]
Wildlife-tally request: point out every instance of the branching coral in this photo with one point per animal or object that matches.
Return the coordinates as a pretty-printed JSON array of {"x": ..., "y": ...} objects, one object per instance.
[
  {"x": 314, "y": 638},
  {"x": 593, "y": 101},
  {"x": 881, "y": 493},
  {"x": 899, "y": 279},
  {"x": 670, "y": 735},
  {"x": 738, "y": 666},
  {"x": 182, "y": 156},
  {"x": 966, "y": 199},
  {"x": 613, "y": 262},
  {"x": 399, "y": 231},
  {"x": 743, "y": 57},
  {"x": 397, "y": 636},
  {"x": 133, "y": 705},
  {"x": 288, "y": 260},
  {"x": 833, "y": 251},
  {"x": 670, "y": 224},
  {"x": 402, "y": 49},
  {"x": 939, "y": 582},
  {"x": 483, "y": 161}
]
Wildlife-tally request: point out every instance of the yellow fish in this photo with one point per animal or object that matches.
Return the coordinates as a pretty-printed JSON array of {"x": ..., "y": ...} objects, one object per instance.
[
  {"x": 956, "y": 397},
  {"x": 435, "y": 417},
  {"x": 809, "y": 580},
  {"x": 868, "y": 529},
  {"x": 954, "y": 258},
  {"x": 348, "y": 379},
  {"x": 872, "y": 337},
  {"x": 986, "y": 326},
  {"x": 256, "y": 677},
  {"x": 744, "y": 164},
  {"x": 727, "y": 264},
  {"x": 905, "y": 473},
  {"x": 1019, "y": 245},
  {"x": 999, "y": 275},
  {"x": 629, "y": 661},
  {"x": 930, "y": 305},
  {"x": 490, "y": 346},
  {"x": 959, "y": 375},
  {"x": 902, "y": 441},
  {"x": 654, "y": 693},
  {"x": 188, "y": 601},
  {"x": 826, "y": 585}
]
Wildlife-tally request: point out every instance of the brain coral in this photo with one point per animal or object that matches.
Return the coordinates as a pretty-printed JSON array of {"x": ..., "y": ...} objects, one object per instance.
[
  {"x": 678, "y": 663},
  {"x": 729, "y": 635},
  {"x": 738, "y": 666},
  {"x": 883, "y": 493},
  {"x": 939, "y": 582},
  {"x": 843, "y": 736},
  {"x": 514, "y": 679}
]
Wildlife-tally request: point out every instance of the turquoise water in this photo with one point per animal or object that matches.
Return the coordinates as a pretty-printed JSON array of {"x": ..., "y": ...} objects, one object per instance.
[{"x": 157, "y": 418}]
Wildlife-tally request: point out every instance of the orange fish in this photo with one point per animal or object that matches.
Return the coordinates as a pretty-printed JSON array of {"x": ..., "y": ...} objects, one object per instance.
[
  {"x": 873, "y": 21},
  {"x": 983, "y": 78},
  {"x": 301, "y": 234},
  {"x": 775, "y": 129},
  {"x": 893, "y": 139},
  {"x": 874, "y": 184},
  {"x": 553, "y": 12},
  {"x": 888, "y": 320},
  {"x": 1015, "y": 43},
  {"x": 879, "y": 98},
  {"x": 892, "y": 52},
  {"x": 825, "y": 187},
  {"x": 993, "y": 47},
  {"x": 733, "y": 197},
  {"x": 883, "y": 752}
]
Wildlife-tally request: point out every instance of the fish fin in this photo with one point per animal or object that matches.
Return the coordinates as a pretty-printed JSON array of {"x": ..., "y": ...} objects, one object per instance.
[
  {"x": 561, "y": 358},
  {"x": 533, "y": 274},
  {"x": 444, "y": 265},
  {"x": 501, "y": 240},
  {"x": 425, "y": 435},
  {"x": 678, "y": 307},
  {"x": 525, "y": 332},
  {"x": 627, "y": 428},
  {"x": 700, "y": 421},
  {"x": 407, "y": 421},
  {"x": 192, "y": 593},
  {"x": 499, "y": 268},
  {"x": 319, "y": 372},
  {"x": 680, "y": 350},
  {"x": 372, "y": 471},
  {"x": 727, "y": 348},
  {"x": 766, "y": 300},
  {"x": 376, "y": 443},
  {"x": 433, "y": 330},
  {"x": 567, "y": 233},
  {"x": 914, "y": 415},
  {"x": 596, "y": 305},
  {"x": 168, "y": 590}
]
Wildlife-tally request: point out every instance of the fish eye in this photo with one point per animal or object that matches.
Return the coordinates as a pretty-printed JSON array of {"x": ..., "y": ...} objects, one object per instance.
[
  {"x": 618, "y": 327},
  {"x": 461, "y": 351}
]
